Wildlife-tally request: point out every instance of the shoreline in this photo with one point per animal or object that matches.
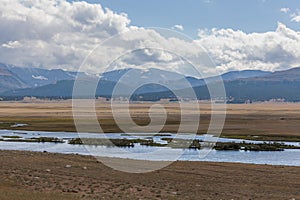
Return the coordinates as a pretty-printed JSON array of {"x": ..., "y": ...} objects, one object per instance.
[
  {"x": 252, "y": 137},
  {"x": 83, "y": 177},
  {"x": 143, "y": 160}
]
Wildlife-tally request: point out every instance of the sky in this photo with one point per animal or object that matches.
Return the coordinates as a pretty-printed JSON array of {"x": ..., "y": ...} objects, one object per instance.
[
  {"x": 245, "y": 15},
  {"x": 220, "y": 35}
]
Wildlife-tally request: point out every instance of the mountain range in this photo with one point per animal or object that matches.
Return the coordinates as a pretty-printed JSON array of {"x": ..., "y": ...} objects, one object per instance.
[
  {"x": 12, "y": 77},
  {"x": 263, "y": 87},
  {"x": 256, "y": 85}
]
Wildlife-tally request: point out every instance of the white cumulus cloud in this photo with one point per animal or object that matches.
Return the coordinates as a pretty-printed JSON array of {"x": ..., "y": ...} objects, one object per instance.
[
  {"x": 296, "y": 17},
  {"x": 178, "y": 27},
  {"x": 54, "y": 33},
  {"x": 231, "y": 49},
  {"x": 285, "y": 10}
]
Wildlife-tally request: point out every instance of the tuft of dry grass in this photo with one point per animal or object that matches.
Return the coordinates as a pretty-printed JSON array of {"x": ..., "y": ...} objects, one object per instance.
[{"x": 9, "y": 191}]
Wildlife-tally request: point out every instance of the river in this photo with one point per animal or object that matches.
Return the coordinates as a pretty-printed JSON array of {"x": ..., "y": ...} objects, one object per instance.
[{"x": 289, "y": 157}]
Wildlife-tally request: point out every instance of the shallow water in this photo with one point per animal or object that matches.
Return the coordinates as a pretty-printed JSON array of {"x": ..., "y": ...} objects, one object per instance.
[{"x": 289, "y": 157}]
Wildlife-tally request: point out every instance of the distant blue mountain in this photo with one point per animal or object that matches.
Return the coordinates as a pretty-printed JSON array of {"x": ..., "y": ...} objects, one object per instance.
[
  {"x": 234, "y": 75},
  {"x": 9, "y": 80},
  {"x": 13, "y": 77},
  {"x": 140, "y": 76},
  {"x": 255, "y": 85},
  {"x": 229, "y": 76},
  {"x": 276, "y": 85},
  {"x": 178, "y": 81},
  {"x": 35, "y": 77}
]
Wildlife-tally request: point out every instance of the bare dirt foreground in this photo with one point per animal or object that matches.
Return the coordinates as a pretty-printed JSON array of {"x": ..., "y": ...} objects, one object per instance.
[{"x": 28, "y": 175}]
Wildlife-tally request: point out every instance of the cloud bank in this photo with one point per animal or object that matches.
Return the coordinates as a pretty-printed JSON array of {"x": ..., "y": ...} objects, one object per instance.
[
  {"x": 54, "y": 33},
  {"x": 60, "y": 34},
  {"x": 274, "y": 50}
]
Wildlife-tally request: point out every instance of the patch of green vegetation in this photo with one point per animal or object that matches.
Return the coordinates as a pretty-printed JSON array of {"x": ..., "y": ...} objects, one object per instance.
[
  {"x": 183, "y": 143},
  {"x": 38, "y": 140},
  {"x": 148, "y": 142},
  {"x": 75, "y": 141},
  {"x": 114, "y": 142},
  {"x": 176, "y": 143},
  {"x": 227, "y": 146},
  {"x": 264, "y": 137},
  {"x": 11, "y": 137},
  {"x": 271, "y": 146},
  {"x": 150, "y": 135},
  {"x": 23, "y": 133},
  {"x": 102, "y": 142},
  {"x": 48, "y": 139},
  {"x": 6, "y": 125},
  {"x": 162, "y": 135},
  {"x": 195, "y": 144}
]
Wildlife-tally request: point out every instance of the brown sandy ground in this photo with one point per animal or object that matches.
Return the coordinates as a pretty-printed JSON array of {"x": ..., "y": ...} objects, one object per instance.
[
  {"x": 272, "y": 121},
  {"x": 28, "y": 175}
]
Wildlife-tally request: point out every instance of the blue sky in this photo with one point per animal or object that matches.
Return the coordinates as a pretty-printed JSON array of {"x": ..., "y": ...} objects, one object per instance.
[{"x": 245, "y": 15}]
